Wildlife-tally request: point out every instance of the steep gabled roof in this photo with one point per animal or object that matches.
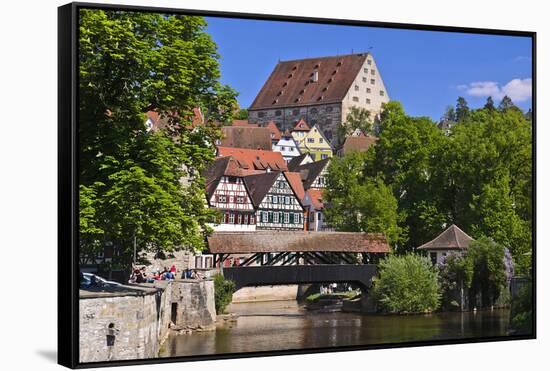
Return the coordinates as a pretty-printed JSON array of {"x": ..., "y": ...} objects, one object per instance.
[
  {"x": 274, "y": 130},
  {"x": 292, "y": 83},
  {"x": 222, "y": 166},
  {"x": 301, "y": 125},
  {"x": 310, "y": 172},
  {"x": 255, "y": 159},
  {"x": 453, "y": 238},
  {"x": 259, "y": 185},
  {"x": 297, "y": 161},
  {"x": 246, "y": 137},
  {"x": 296, "y": 184}
]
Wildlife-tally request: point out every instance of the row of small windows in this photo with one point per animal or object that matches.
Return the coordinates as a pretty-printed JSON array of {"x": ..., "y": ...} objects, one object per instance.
[
  {"x": 283, "y": 200},
  {"x": 280, "y": 217},
  {"x": 222, "y": 199},
  {"x": 296, "y": 112},
  {"x": 372, "y": 71},
  {"x": 236, "y": 218},
  {"x": 312, "y": 140},
  {"x": 356, "y": 99}
]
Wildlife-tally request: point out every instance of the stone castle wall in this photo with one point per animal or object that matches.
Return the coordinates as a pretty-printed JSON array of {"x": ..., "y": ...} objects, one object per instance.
[
  {"x": 327, "y": 116},
  {"x": 133, "y": 321}
]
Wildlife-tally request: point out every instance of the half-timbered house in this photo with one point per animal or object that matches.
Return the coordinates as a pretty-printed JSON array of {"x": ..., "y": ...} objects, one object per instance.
[
  {"x": 226, "y": 192},
  {"x": 278, "y": 206}
]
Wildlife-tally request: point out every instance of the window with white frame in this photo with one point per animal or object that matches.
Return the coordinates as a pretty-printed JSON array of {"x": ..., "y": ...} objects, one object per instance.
[
  {"x": 276, "y": 217},
  {"x": 231, "y": 218},
  {"x": 265, "y": 217},
  {"x": 287, "y": 200},
  {"x": 297, "y": 218},
  {"x": 286, "y": 218}
]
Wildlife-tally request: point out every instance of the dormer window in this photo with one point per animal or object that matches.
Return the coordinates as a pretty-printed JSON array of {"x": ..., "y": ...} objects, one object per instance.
[{"x": 315, "y": 76}]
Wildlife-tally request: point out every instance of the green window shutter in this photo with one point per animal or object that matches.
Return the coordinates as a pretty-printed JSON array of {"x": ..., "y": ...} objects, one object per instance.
[{"x": 291, "y": 219}]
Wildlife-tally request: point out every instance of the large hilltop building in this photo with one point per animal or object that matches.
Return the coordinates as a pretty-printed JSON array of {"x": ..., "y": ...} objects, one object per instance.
[{"x": 319, "y": 90}]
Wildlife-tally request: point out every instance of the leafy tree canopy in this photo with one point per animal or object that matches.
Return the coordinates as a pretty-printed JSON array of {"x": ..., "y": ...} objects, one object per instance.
[{"x": 135, "y": 182}]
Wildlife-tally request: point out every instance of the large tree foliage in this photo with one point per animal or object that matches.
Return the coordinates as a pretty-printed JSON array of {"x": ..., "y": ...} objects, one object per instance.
[
  {"x": 358, "y": 203},
  {"x": 357, "y": 118},
  {"x": 479, "y": 176},
  {"x": 131, "y": 178}
]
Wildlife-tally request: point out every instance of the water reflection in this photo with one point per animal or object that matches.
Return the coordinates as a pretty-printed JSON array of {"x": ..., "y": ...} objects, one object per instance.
[{"x": 268, "y": 326}]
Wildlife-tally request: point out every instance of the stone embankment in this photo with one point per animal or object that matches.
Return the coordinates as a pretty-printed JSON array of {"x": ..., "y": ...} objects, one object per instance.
[{"x": 132, "y": 321}]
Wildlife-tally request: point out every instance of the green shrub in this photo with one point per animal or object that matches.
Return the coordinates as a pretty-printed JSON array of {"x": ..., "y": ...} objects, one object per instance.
[
  {"x": 223, "y": 292},
  {"x": 521, "y": 313},
  {"x": 407, "y": 284}
]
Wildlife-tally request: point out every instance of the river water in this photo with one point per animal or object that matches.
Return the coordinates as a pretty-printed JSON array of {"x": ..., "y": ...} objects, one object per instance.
[{"x": 285, "y": 325}]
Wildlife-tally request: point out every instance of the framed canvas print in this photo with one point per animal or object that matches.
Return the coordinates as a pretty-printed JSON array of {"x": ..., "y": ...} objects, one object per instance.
[{"x": 236, "y": 185}]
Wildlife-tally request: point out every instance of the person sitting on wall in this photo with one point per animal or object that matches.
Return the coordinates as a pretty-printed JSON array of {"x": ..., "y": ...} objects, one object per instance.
[
  {"x": 173, "y": 269},
  {"x": 156, "y": 276}
]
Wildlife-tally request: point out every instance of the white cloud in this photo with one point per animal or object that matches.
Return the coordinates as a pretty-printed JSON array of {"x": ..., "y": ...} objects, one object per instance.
[{"x": 519, "y": 90}]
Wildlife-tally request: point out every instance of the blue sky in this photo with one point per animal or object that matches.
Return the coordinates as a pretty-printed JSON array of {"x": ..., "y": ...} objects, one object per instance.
[{"x": 424, "y": 70}]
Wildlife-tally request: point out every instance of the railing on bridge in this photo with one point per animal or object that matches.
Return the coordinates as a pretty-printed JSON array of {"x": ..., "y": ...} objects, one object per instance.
[{"x": 360, "y": 274}]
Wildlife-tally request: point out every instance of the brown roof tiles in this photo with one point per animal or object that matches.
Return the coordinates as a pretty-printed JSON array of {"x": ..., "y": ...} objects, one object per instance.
[
  {"x": 254, "y": 158},
  {"x": 453, "y": 238},
  {"x": 246, "y": 137},
  {"x": 296, "y": 241},
  {"x": 292, "y": 83}
]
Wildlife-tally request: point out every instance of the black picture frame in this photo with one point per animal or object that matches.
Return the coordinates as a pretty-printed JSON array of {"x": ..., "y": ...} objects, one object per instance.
[{"x": 68, "y": 265}]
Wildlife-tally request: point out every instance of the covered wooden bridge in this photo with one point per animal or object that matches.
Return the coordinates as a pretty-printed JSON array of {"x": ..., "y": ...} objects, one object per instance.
[{"x": 297, "y": 257}]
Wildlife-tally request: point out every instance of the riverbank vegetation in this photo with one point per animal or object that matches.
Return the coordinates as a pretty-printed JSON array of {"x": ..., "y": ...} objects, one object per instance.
[
  {"x": 223, "y": 292},
  {"x": 521, "y": 315},
  {"x": 479, "y": 277},
  {"x": 419, "y": 178},
  {"x": 407, "y": 284}
]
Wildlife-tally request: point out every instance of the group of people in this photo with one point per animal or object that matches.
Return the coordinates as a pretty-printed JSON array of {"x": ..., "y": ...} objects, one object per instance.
[{"x": 139, "y": 275}]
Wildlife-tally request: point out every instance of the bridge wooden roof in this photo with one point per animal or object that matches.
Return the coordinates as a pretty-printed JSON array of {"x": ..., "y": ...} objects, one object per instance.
[{"x": 296, "y": 241}]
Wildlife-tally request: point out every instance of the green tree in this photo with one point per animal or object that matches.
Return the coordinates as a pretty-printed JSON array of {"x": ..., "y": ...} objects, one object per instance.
[
  {"x": 489, "y": 271},
  {"x": 357, "y": 203},
  {"x": 489, "y": 105},
  {"x": 404, "y": 158},
  {"x": 357, "y": 118},
  {"x": 506, "y": 103},
  {"x": 455, "y": 276},
  {"x": 242, "y": 114},
  {"x": 131, "y": 178},
  {"x": 407, "y": 284},
  {"x": 462, "y": 109}
]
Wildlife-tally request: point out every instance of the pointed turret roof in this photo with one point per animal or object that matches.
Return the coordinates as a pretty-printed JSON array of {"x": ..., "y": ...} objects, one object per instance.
[{"x": 453, "y": 238}]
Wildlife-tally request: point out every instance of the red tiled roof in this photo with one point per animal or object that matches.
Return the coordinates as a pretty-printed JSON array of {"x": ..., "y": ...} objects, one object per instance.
[
  {"x": 301, "y": 126},
  {"x": 296, "y": 184},
  {"x": 223, "y": 166},
  {"x": 296, "y": 241},
  {"x": 246, "y": 137},
  {"x": 316, "y": 196},
  {"x": 358, "y": 143},
  {"x": 453, "y": 238},
  {"x": 291, "y": 82},
  {"x": 161, "y": 120},
  {"x": 243, "y": 123},
  {"x": 254, "y": 159},
  {"x": 275, "y": 132}
]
